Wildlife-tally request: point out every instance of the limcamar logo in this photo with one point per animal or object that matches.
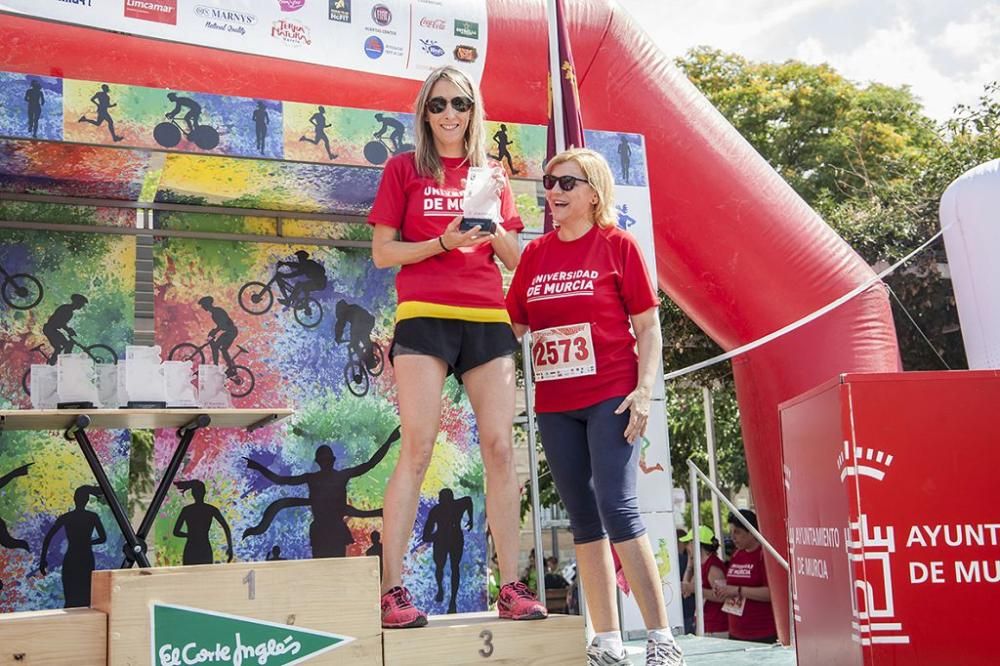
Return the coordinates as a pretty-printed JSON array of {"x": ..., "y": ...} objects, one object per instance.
[{"x": 157, "y": 11}]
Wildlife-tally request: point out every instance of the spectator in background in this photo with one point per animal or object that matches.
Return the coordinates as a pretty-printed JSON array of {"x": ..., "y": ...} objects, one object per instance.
[
  {"x": 687, "y": 592},
  {"x": 713, "y": 573},
  {"x": 747, "y": 599}
]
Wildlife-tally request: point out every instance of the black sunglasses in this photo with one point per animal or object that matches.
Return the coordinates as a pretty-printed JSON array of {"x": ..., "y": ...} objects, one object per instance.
[
  {"x": 439, "y": 104},
  {"x": 566, "y": 183}
]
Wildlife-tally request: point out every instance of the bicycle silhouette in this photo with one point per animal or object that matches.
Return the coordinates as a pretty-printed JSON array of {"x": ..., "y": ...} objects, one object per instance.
[
  {"x": 168, "y": 134},
  {"x": 20, "y": 291},
  {"x": 239, "y": 378},
  {"x": 256, "y": 298},
  {"x": 378, "y": 150},
  {"x": 358, "y": 374},
  {"x": 98, "y": 353}
]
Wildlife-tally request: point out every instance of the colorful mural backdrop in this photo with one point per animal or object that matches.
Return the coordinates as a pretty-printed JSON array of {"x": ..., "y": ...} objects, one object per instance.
[
  {"x": 54, "y": 526},
  {"x": 314, "y": 337}
]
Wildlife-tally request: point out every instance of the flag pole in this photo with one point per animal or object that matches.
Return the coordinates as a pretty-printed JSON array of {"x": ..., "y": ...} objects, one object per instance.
[{"x": 555, "y": 79}]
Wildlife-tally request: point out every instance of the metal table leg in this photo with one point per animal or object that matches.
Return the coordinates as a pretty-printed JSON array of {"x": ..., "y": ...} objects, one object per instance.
[
  {"x": 186, "y": 434},
  {"x": 134, "y": 547}
]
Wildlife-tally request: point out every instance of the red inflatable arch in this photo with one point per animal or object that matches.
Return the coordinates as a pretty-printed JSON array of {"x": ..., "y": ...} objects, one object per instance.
[{"x": 736, "y": 248}]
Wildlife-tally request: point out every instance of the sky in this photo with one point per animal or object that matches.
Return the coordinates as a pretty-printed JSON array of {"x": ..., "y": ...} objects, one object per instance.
[{"x": 945, "y": 50}]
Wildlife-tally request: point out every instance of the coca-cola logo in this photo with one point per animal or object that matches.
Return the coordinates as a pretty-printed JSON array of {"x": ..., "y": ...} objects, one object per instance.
[{"x": 433, "y": 23}]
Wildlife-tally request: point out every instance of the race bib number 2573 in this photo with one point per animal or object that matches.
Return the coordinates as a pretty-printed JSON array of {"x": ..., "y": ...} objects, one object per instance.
[{"x": 563, "y": 351}]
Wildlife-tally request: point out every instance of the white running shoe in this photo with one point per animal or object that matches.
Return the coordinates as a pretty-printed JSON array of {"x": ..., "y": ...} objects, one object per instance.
[
  {"x": 602, "y": 656},
  {"x": 663, "y": 653}
]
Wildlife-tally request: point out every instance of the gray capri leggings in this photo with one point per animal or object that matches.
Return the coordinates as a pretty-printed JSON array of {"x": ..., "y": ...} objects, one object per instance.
[{"x": 594, "y": 468}]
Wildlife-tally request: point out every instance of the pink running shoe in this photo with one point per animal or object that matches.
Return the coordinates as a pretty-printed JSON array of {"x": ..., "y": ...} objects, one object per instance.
[
  {"x": 517, "y": 602},
  {"x": 398, "y": 611}
]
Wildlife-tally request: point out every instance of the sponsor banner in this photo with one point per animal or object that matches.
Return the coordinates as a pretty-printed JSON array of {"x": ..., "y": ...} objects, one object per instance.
[{"x": 402, "y": 38}]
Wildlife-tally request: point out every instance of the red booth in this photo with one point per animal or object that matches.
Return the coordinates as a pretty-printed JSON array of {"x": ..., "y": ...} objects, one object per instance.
[{"x": 893, "y": 524}]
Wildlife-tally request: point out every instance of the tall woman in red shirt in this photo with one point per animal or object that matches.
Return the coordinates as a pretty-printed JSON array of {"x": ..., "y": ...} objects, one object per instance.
[
  {"x": 450, "y": 318},
  {"x": 582, "y": 290}
]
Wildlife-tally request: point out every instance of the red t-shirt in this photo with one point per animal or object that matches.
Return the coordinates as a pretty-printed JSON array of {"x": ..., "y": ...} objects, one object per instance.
[
  {"x": 598, "y": 279},
  {"x": 747, "y": 570},
  {"x": 715, "y": 619},
  {"x": 466, "y": 281}
]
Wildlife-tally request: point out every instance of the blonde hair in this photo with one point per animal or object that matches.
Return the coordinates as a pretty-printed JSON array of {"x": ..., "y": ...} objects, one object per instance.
[
  {"x": 598, "y": 174},
  {"x": 427, "y": 158}
]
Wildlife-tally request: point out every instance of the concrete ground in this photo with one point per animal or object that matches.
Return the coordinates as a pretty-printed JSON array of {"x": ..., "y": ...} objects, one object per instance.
[{"x": 703, "y": 651}]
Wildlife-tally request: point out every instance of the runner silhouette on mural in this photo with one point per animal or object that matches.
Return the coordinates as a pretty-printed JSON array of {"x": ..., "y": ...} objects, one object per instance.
[
  {"x": 102, "y": 100},
  {"x": 36, "y": 100},
  {"x": 375, "y": 550},
  {"x": 396, "y": 136},
  {"x": 78, "y": 562},
  {"x": 319, "y": 124},
  {"x": 503, "y": 142},
  {"x": 6, "y": 540},
  {"x": 222, "y": 337},
  {"x": 444, "y": 530},
  {"x": 57, "y": 329},
  {"x": 260, "y": 122},
  {"x": 193, "y": 114},
  {"x": 624, "y": 156},
  {"x": 312, "y": 272},
  {"x": 198, "y": 518},
  {"x": 329, "y": 535},
  {"x": 274, "y": 555},
  {"x": 624, "y": 219}
]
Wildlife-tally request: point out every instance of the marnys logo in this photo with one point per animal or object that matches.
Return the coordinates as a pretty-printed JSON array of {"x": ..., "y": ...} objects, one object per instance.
[
  {"x": 292, "y": 33},
  {"x": 158, "y": 11},
  {"x": 291, "y": 5},
  {"x": 184, "y": 636},
  {"x": 227, "y": 20}
]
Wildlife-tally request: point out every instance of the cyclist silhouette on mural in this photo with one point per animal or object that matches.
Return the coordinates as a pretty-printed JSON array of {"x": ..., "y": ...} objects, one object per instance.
[
  {"x": 222, "y": 336},
  {"x": 198, "y": 519},
  {"x": 396, "y": 136},
  {"x": 328, "y": 533},
  {"x": 78, "y": 562},
  {"x": 57, "y": 329},
  {"x": 6, "y": 540},
  {"x": 319, "y": 124},
  {"x": 102, "y": 100},
  {"x": 362, "y": 324},
  {"x": 260, "y": 122},
  {"x": 36, "y": 100},
  {"x": 312, "y": 272},
  {"x": 193, "y": 114},
  {"x": 624, "y": 156},
  {"x": 503, "y": 142},
  {"x": 443, "y": 530}
]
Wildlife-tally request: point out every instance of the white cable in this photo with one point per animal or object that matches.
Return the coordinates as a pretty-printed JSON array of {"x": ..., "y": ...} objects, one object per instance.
[{"x": 799, "y": 323}]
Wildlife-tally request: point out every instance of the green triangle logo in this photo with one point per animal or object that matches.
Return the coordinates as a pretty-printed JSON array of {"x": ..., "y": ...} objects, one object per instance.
[{"x": 183, "y": 636}]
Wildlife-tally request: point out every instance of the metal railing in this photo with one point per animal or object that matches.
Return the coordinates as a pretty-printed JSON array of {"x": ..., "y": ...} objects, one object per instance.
[{"x": 694, "y": 475}]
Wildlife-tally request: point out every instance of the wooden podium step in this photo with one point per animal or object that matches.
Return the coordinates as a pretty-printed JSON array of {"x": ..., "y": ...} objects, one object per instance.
[
  {"x": 337, "y": 596},
  {"x": 473, "y": 638},
  {"x": 75, "y": 636}
]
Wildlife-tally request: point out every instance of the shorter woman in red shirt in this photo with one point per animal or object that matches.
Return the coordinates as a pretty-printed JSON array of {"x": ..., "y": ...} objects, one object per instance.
[
  {"x": 713, "y": 573},
  {"x": 748, "y": 598},
  {"x": 582, "y": 290}
]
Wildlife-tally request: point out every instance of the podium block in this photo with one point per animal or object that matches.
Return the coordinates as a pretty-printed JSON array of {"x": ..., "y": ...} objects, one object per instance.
[
  {"x": 894, "y": 535},
  {"x": 471, "y": 638},
  {"x": 335, "y": 596},
  {"x": 54, "y": 638}
]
